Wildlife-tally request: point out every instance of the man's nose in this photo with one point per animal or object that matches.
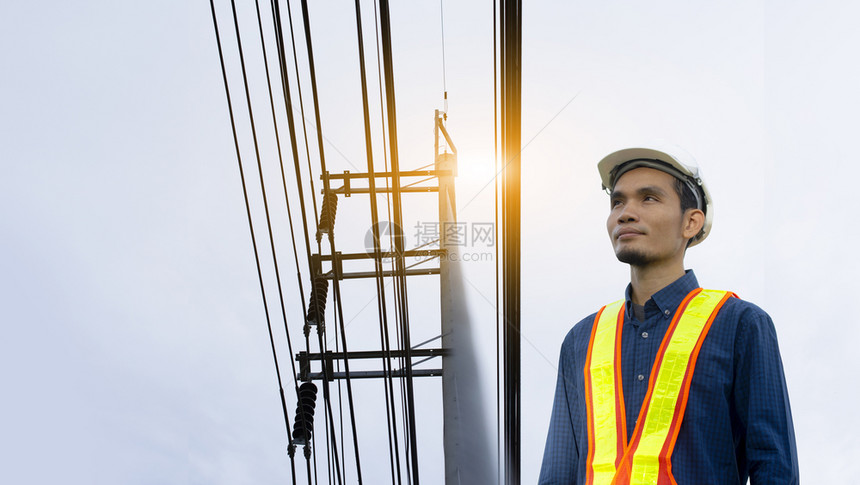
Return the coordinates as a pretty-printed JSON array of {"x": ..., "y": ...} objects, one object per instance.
[{"x": 627, "y": 214}]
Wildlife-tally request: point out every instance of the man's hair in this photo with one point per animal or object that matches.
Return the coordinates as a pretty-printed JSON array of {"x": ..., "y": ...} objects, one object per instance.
[{"x": 688, "y": 200}]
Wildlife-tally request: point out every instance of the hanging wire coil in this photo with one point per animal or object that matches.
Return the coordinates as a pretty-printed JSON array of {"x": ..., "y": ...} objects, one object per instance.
[
  {"x": 316, "y": 306},
  {"x": 303, "y": 426},
  {"x": 327, "y": 216}
]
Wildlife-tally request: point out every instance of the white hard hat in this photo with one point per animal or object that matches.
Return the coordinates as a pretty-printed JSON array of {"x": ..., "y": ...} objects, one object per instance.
[{"x": 671, "y": 160}]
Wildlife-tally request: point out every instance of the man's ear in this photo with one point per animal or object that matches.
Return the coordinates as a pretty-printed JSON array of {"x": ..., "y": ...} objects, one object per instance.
[{"x": 694, "y": 220}]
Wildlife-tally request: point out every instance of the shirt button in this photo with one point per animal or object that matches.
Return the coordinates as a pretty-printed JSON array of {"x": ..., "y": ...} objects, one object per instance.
[
  {"x": 644, "y": 334},
  {"x": 641, "y": 377},
  {"x": 666, "y": 312}
]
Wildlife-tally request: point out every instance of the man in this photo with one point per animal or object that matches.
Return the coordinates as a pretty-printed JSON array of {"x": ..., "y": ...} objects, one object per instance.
[{"x": 673, "y": 384}]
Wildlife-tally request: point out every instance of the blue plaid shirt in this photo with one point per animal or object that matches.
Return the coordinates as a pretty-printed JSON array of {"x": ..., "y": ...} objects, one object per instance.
[{"x": 737, "y": 424}]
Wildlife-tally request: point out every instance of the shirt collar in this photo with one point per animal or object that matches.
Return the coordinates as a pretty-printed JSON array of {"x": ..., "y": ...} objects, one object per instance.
[{"x": 669, "y": 297}]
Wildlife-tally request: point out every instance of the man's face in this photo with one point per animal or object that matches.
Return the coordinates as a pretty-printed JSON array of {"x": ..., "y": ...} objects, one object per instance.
[{"x": 645, "y": 222}]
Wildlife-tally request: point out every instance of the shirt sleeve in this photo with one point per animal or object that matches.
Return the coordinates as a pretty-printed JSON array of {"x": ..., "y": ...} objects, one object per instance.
[
  {"x": 761, "y": 401},
  {"x": 560, "y": 455}
]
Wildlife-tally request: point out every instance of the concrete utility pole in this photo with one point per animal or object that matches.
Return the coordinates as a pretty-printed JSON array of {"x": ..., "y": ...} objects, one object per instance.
[
  {"x": 466, "y": 443},
  {"x": 468, "y": 448}
]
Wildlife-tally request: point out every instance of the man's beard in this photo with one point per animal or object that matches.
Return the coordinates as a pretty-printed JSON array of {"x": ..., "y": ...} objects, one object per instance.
[{"x": 633, "y": 257}]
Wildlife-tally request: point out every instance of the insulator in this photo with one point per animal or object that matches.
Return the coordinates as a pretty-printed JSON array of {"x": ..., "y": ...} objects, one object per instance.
[
  {"x": 327, "y": 216},
  {"x": 303, "y": 427},
  {"x": 316, "y": 306}
]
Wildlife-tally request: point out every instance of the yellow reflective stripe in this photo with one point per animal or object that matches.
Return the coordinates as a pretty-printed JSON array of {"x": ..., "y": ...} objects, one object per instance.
[
  {"x": 667, "y": 386},
  {"x": 604, "y": 427}
]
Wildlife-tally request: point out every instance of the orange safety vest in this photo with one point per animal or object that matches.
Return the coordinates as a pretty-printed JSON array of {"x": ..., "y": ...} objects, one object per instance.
[{"x": 646, "y": 460}]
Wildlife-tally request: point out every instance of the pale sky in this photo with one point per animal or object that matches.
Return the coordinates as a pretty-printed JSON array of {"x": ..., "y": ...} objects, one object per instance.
[{"x": 135, "y": 349}]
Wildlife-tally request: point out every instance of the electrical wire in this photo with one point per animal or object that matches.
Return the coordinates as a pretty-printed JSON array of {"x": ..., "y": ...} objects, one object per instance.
[
  {"x": 287, "y": 203},
  {"x": 336, "y": 298},
  {"x": 335, "y": 280},
  {"x": 394, "y": 455},
  {"x": 396, "y": 237},
  {"x": 254, "y": 239},
  {"x": 391, "y": 235},
  {"x": 330, "y": 430},
  {"x": 398, "y": 219},
  {"x": 511, "y": 35},
  {"x": 302, "y": 109},
  {"x": 282, "y": 59},
  {"x": 496, "y": 229}
]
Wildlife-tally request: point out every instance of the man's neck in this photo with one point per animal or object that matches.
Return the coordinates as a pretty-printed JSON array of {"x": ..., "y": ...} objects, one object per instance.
[{"x": 647, "y": 280}]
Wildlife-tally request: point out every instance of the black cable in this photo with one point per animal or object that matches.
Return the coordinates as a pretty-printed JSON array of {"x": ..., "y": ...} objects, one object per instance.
[
  {"x": 294, "y": 148},
  {"x": 395, "y": 294},
  {"x": 291, "y": 126},
  {"x": 336, "y": 298},
  {"x": 391, "y": 235},
  {"x": 374, "y": 215},
  {"x": 511, "y": 75},
  {"x": 289, "y": 215},
  {"x": 339, "y": 309},
  {"x": 309, "y": 44},
  {"x": 496, "y": 229},
  {"x": 254, "y": 239},
  {"x": 302, "y": 108},
  {"x": 276, "y": 22},
  {"x": 262, "y": 183},
  {"x": 398, "y": 219},
  {"x": 335, "y": 264},
  {"x": 329, "y": 415}
]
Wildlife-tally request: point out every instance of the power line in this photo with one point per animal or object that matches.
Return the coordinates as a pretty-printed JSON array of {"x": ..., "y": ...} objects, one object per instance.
[
  {"x": 496, "y": 229},
  {"x": 394, "y": 454},
  {"x": 391, "y": 233},
  {"x": 396, "y": 236},
  {"x": 287, "y": 203},
  {"x": 254, "y": 239},
  {"x": 511, "y": 38},
  {"x": 302, "y": 108},
  {"x": 330, "y": 429},
  {"x": 398, "y": 220},
  {"x": 335, "y": 265}
]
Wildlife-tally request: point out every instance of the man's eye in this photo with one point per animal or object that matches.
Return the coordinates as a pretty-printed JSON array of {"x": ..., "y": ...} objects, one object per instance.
[
  {"x": 650, "y": 198},
  {"x": 615, "y": 203}
]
